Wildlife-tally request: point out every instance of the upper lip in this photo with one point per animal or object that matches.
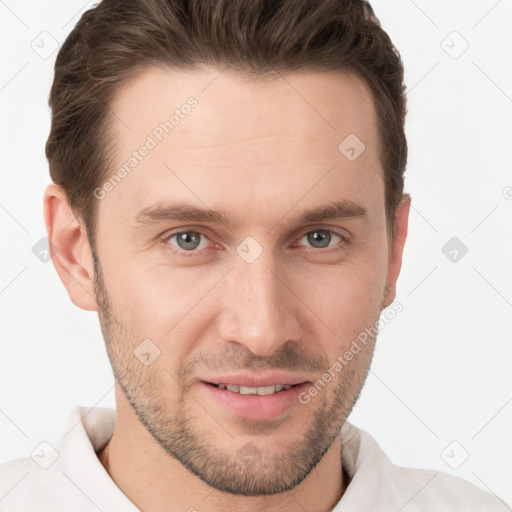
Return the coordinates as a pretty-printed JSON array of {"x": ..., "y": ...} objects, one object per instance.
[{"x": 257, "y": 381}]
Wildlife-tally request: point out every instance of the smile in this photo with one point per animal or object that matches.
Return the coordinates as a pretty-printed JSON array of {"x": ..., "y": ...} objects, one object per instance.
[{"x": 261, "y": 391}]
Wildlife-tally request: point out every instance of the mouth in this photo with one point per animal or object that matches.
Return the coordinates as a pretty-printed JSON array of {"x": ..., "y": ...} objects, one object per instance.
[
  {"x": 267, "y": 402},
  {"x": 260, "y": 391}
]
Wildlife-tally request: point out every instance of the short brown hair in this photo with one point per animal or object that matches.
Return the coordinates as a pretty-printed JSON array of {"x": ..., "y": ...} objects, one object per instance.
[{"x": 118, "y": 39}]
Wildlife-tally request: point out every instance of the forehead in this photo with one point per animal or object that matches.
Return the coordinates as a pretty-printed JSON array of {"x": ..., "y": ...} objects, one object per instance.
[
  {"x": 213, "y": 137},
  {"x": 331, "y": 101}
]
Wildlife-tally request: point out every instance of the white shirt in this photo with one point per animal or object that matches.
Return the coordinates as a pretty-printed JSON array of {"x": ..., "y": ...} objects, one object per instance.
[{"x": 70, "y": 477}]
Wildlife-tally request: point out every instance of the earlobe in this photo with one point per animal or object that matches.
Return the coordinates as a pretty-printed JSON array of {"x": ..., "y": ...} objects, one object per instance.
[
  {"x": 69, "y": 248},
  {"x": 397, "y": 248}
]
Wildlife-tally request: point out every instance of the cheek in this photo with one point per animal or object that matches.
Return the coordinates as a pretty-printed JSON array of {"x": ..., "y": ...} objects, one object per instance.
[
  {"x": 343, "y": 301},
  {"x": 159, "y": 296},
  {"x": 168, "y": 306}
]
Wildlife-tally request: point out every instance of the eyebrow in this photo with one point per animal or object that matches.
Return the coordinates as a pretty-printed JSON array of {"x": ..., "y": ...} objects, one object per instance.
[{"x": 185, "y": 212}]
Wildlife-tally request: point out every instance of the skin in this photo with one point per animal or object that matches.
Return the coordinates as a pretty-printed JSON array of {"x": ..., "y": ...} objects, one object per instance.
[{"x": 262, "y": 154}]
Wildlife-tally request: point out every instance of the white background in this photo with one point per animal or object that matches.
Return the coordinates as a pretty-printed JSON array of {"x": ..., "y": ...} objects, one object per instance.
[{"x": 441, "y": 371}]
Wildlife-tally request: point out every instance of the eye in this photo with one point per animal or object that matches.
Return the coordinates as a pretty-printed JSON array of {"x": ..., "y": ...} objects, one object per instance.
[
  {"x": 187, "y": 240},
  {"x": 321, "y": 238},
  {"x": 191, "y": 242}
]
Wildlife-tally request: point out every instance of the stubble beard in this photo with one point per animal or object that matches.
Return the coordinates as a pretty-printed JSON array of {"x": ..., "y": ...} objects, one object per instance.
[{"x": 249, "y": 470}]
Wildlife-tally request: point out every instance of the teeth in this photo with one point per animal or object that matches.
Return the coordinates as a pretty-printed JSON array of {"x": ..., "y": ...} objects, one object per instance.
[
  {"x": 262, "y": 391},
  {"x": 248, "y": 391},
  {"x": 268, "y": 390}
]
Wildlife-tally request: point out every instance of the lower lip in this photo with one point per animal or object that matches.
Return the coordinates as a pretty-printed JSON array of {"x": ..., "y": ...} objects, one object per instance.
[{"x": 256, "y": 407}]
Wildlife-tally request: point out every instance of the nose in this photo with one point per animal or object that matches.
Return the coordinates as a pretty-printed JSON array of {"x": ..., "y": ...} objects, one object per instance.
[{"x": 260, "y": 309}]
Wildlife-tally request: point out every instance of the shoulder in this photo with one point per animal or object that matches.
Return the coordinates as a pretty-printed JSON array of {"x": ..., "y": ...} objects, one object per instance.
[
  {"x": 407, "y": 489},
  {"x": 423, "y": 489},
  {"x": 25, "y": 486},
  {"x": 52, "y": 478}
]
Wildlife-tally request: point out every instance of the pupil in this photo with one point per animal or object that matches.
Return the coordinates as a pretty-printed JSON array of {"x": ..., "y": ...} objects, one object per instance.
[
  {"x": 320, "y": 236},
  {"x": 188, "y": 240}
]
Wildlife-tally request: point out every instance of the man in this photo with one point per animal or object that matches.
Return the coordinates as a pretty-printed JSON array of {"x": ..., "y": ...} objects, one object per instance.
[{"x": 228, "y": 195}]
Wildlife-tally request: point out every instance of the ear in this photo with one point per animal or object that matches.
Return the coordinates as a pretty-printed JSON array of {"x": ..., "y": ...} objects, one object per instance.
[
  {"x": 69, "y": 248},
  {"x": 396, "y": 249}
]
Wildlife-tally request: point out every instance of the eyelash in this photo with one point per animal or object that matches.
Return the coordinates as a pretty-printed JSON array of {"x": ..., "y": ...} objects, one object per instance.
[{"x": 197, "y": 252}]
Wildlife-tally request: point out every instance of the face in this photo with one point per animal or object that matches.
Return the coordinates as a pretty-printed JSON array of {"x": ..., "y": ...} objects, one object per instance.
[{"x": 270, "y": 292}]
